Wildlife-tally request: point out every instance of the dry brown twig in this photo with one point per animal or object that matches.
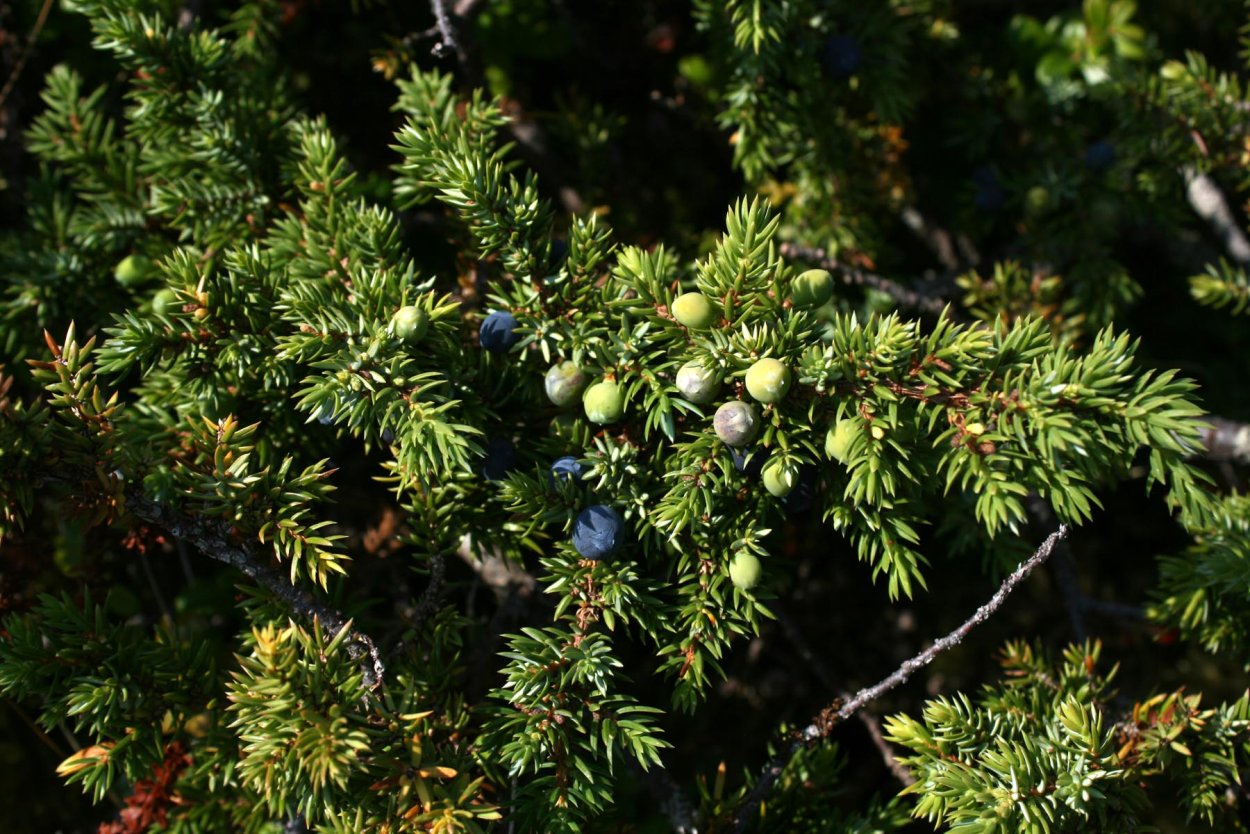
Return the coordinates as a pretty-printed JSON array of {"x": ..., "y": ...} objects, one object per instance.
[{"x": 20, "y": 64}]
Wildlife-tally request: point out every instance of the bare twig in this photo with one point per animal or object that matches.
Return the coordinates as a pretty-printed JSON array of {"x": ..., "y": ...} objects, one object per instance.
[
  {"x": 935, "y": 237},
  {"x": 674, "y": 804},
  {"x": 20, "y": 64},
  {"x": 433, "y": 595},
  {"x": 1227, "y": 440},
  {"x": 1121, "y": 610},
  {"x": 37, "y": 730},
  {"x": 191, "y": 11},
  {"x": 166, "y": 612},
  {"x": 212, "y": 538},
  {"x": 1208, "y": 202},
  {"x": 926, "y": 302},
  {"x": 839, "y": 711},
  {"x": 187, "y": 573},
  {"x": 500, "y": 575},
  {"x": 466, "y": 8},
  {"x": 1065, "y": 570},
  {"x": 873, "y": 724},
  {"x": 821, "y": 671},
  {"x": 445, "y": 30},
  {"x": 514, "y": 591}
]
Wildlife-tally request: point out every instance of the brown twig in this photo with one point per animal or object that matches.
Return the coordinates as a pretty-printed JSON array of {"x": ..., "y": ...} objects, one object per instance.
[
  {"x": 212, "y": 537},
  {"x": 839, "y": 711},
  {"x": 20, "y": 64}
]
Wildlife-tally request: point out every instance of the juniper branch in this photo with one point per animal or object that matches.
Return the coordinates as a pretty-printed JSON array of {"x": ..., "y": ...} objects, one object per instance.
[
  {"x": 839, "y": 711},
  {"x": 212, "y": 538}
]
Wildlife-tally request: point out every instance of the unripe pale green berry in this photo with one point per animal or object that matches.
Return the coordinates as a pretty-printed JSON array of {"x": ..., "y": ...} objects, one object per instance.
[
  {"x": 563, "y": 383},
  {"x": 164, "y": 301},
  {"x": 694, "y": 310},
  {"x": 132, "y": 270},
  {"x": 779, "y": 477},
  {"x": 697, "y": 384},
  {"x": 735, "y": 423},
  {"x": 838, "y": 440},
  {"x": 744, "y": 570},
  {"x": 604, "y": 402},
  {"x": 1037, "y": 201},
  {"x": 410, "y": 323},
  {"x": 812, "y": 288},
  {"x": 768, "y": 380}
]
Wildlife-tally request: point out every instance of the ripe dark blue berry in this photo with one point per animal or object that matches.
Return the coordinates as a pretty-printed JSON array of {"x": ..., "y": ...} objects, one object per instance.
[
  {"x": 500, "y": 458},
  {"x": 1100, "y": 156},
  {"x": 800, "y": 499},
  {"x": 498, "y": 332},
  {"x": 598, "y": 531},
  {"x": 749, "y": 461},
  {"x": 840, "y": 57},
  {"x": 990, "y": 194},
  {"x": 557, "y": 253},
  {"x": 569, "y": 468}
]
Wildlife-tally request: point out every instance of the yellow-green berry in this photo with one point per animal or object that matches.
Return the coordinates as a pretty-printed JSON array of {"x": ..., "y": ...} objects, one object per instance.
[
  {"x": 735, "y": 423},
  {"x": 694, "y": 310},
  {"x": 812, "y": 288},
  {"x": 768, "y": 380},
  {"x": 1037, "y": 201},
  {"x": 410, "y": 324},
  {"x": 164, "y": 301},
  {"x": 780, "y": 477},
  {"x": 697, "y": 383},
  {"x": 133, "y": 270},
  {"x": 838, "y": 440},
  {"x": 744, "y": 570},
  {"x": 604, "y": 402}
]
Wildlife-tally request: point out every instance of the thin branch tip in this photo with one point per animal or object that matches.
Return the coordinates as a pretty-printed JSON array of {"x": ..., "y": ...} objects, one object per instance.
[{"x": 839, "y": 711}]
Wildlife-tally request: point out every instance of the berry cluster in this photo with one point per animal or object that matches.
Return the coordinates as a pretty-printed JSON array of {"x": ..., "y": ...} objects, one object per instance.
[{"x": 599, "y": 530}]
